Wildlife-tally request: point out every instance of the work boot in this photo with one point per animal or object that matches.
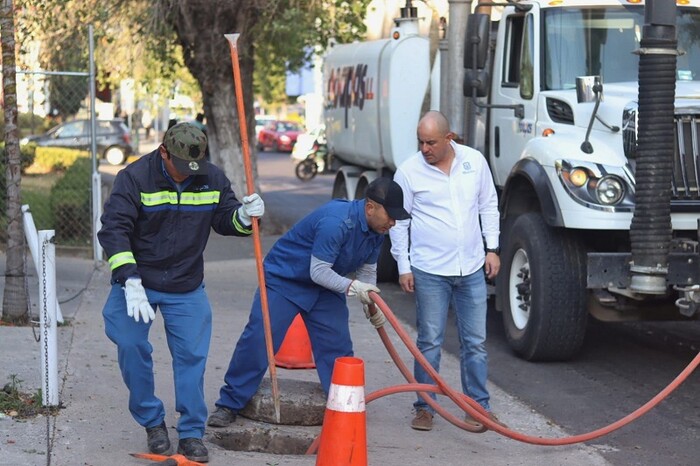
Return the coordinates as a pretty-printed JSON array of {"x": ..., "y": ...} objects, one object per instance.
[
  {"x": 157, "y": 438},
  {"x": 222, "y": 417},
  {"x": 473, "y": 422},
  {"x": 193, "y": 449},
  {"x": 423, "y": 420}
]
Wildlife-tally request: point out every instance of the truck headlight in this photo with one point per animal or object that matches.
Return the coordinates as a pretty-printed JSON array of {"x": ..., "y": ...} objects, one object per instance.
[
  {"x": 597, "y": 186},
  {"x": 609, "y": 190}
]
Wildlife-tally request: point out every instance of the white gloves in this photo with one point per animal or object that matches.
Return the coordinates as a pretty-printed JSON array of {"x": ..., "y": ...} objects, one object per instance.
[
  {"x": 361, "y": 290},
  {"x": 137, "y": 302},
  {"x": 378, "y": 319},
  {"x": 253, "y": 206}
]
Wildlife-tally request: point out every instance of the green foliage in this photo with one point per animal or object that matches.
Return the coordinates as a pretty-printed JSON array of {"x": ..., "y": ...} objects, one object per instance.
[
  {"x": 26, "y": 154},
  {"x": 291, "y": 31},
  {"x": 70, "y": 204},
  {"x": 136, "y": 38},
  {"x": 57, "y": 158},
  {"x": 29, "y": 124}
]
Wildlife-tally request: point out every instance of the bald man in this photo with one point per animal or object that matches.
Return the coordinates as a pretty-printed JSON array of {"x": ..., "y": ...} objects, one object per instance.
[{"x": 453, "y": 236}]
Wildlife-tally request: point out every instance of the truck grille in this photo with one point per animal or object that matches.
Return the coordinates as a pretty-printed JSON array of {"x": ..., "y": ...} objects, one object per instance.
[{"x": 686, "y": 161}]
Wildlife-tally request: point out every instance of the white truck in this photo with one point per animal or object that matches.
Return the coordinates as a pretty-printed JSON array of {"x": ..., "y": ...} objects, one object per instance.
[{"x": 587, "y": 112}]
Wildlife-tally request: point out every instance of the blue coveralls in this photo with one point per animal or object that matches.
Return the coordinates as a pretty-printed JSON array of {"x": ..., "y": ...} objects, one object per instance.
[{"x": 336, "y": 233}]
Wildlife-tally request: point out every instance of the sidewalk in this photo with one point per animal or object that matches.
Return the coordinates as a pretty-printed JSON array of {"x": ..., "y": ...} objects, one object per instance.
[{"x": 96, "y": 429}]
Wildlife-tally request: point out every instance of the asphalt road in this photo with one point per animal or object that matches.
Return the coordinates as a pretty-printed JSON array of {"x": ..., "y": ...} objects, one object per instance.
[{"x": 620, "y": 368}]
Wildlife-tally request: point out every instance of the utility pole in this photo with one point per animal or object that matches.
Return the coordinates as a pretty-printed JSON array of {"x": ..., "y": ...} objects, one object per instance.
[{"x": 459, "y": 11}]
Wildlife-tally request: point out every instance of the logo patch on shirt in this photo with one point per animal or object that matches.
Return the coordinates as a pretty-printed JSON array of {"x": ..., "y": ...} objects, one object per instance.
[{"x": 467, "y": 168}]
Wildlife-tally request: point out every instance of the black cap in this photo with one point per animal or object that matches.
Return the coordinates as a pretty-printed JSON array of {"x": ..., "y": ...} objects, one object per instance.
[{"x": 388, "y": 194}]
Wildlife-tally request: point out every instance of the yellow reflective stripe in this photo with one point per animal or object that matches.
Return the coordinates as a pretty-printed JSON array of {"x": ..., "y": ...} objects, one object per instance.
[
  {"x": 186, "y": 198},
  {"x": 159, "y": 198},
  {"x": 121, "y": 258},
  {"x": 209, "y": 197},
  {"x": 239, "y": 226}
]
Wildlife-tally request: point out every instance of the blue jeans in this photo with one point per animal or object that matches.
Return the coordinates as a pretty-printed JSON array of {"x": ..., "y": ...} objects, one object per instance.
[
  {"x": 329, "y": 333},
  {"x": 187, "y": 318},
  {"x": 467, "y": 295}
]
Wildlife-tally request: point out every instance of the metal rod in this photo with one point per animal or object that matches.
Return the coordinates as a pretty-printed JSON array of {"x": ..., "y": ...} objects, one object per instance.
[{"x": 232, "y": 41}]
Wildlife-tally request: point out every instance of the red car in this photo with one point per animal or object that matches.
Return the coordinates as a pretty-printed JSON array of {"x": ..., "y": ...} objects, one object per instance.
[{"x": 279, "y": 136}]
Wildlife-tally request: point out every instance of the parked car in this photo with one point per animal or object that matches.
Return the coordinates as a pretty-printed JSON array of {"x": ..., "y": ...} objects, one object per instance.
[
  {"x": 279, "y": 136},
  {"x": 260, "y": 121},
  {"x": 113, "y": 139}
]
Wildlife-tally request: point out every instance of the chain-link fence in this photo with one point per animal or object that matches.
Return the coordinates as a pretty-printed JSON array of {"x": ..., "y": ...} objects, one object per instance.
[{"x": 55, "y": 142}]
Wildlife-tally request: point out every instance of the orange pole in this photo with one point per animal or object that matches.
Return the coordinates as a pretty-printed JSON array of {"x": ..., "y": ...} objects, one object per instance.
[{"x": 232, "y": 42}]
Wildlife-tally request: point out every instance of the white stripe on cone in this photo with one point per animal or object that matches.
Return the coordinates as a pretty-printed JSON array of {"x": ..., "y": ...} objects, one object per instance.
[{"x": 346, "y": 399}]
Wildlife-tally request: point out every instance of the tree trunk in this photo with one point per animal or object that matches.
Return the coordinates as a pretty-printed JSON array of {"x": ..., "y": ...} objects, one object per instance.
[
  {"x": 207, "y": 55},
  {"x": 14, "y": 305}
]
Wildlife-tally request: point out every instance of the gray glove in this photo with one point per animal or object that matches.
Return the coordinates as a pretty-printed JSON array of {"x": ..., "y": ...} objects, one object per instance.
[
  {"x": 378, "y": 319},
  {"x": 253, "y": 206},
  {"x": 137, "y": 302},
  {"x": 361, "y": 290}
]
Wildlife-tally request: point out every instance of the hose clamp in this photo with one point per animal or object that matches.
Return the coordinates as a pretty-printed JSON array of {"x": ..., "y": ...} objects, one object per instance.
[{"x": 658, "y": 51}]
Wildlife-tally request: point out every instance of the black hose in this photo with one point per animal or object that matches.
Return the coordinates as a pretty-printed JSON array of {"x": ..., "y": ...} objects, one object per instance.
[{"x": 651, "y": 230}]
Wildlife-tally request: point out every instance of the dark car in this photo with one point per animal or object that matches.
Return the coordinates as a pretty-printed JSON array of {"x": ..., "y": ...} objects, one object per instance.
[
  {"x": 279, "y": 136},
  {"x": 113, "y": 138}
]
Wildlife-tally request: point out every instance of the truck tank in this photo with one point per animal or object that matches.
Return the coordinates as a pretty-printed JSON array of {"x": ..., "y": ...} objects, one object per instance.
[{"x": 373, "y": 92}]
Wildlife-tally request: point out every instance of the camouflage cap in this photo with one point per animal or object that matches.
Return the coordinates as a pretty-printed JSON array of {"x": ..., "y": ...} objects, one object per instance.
[{"x": 187, "y": 145}]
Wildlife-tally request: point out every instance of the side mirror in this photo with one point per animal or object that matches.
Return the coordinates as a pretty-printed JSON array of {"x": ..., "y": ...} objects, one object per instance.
[
  {"x": 475, "y": 80},
  {"x": 476, "y": 41},
  {"x": 588, "y": 88}
]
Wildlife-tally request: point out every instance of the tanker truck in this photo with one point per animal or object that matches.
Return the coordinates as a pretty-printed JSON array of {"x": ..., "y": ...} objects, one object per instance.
[{"x": 587, "y": 112}]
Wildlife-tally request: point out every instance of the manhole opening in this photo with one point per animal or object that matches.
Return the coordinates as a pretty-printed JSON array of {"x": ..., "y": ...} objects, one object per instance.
[{"x": 265, "y": 441}]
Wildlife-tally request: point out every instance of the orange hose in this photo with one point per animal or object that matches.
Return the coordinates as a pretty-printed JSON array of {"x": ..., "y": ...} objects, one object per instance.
[
  {"x": 473, "y": 408},
  {"x": 478, "y": 413}
]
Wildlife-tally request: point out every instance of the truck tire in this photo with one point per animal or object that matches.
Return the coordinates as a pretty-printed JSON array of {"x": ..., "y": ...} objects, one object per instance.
[
  {"x": 340, "y": 189},
  {"x": 542, "y": 289}
]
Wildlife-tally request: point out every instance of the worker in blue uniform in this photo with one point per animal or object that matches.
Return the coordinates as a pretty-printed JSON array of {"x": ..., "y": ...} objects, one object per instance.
[
  {"x": 155, "y": 227},
  {"x": 305, "y": 273}
]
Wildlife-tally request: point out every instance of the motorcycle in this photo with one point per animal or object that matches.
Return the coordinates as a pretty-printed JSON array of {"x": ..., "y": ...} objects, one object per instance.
[{"x": 311, "y": 156}]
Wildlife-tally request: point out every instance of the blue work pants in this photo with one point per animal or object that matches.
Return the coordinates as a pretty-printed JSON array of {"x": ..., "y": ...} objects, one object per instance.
[
  {"x": 329, "y": 333},
  {"x": 187, "y": 318},
  {"x": 467, "y": 295}
]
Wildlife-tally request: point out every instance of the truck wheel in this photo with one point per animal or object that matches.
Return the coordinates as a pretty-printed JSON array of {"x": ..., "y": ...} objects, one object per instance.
[
  {"x": 339, "y": 188},
  {"x": 542, "y": 288}
]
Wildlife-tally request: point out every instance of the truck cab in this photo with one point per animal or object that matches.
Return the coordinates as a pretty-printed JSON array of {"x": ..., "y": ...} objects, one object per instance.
[{"x": 556, "y": 88}]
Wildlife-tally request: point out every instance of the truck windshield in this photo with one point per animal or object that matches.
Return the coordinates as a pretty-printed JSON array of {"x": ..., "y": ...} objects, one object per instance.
[{"x": 600, "y": 41}]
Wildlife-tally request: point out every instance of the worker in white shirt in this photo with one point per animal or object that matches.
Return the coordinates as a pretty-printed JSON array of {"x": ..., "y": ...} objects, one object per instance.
[{"x": 447, "y": 190}]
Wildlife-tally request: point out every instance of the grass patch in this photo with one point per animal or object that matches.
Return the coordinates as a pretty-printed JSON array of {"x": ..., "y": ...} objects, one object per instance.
[
  {"x": 36, "y": 192},
  {"x": 18, "y": 404}
]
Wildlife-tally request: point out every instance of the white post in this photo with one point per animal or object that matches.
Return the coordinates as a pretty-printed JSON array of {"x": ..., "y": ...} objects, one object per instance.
[
  {"x": 98, "y": 252},
  {"x": 48, "y": 328},
  {"x": 33, "y": 242}
]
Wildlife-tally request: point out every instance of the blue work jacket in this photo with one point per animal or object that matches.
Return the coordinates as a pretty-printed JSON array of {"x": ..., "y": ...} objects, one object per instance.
[
  {"x": 337, "y": 233},
  {"x": 153, "y": 229}
]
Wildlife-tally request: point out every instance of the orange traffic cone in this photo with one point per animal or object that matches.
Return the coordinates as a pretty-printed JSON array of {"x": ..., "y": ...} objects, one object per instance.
[
  {"x": 344, "y": 432},
  {"x": 295, "y": 351}
]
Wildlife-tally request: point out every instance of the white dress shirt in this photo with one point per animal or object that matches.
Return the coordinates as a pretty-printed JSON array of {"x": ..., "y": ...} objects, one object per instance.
[{"x": 445, "y": 235}]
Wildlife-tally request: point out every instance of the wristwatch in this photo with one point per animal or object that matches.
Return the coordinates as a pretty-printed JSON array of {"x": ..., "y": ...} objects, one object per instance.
[{"x": 496, "y": 251}]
